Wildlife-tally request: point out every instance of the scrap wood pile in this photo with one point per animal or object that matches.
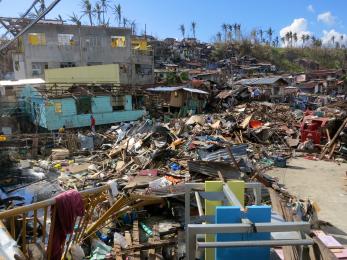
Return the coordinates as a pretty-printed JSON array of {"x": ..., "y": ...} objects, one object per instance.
[{"x": 149, "y": 158}]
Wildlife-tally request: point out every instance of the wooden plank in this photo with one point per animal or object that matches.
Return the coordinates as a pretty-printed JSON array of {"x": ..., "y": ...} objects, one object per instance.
[
  {"x": 24, "y": 234},
  {"x": 35, "y": 226},
  {"x": 44, "y": 225},
  {"x": 13, "y": 228},
  {"x": 51, "y": 230},
  {"x": 326, "y": 148},
  {"x": 136, "y": 239}
]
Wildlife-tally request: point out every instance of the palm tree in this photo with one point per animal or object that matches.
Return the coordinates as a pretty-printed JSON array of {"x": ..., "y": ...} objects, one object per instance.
[
  {"x": 287, "y": 36},
  {"x": 307, "y": 37},
  {"x": 230, "y": 32},
  {"x": 98, "y": 11},
  {"x": 261, "y": 33},
  {"x": 270, "y": 33},
  {"x": 194, "y": 28},
  {"x": 295, "y": 38},
  {"x": 341, "y": 38},
  {"x": 235, "y": 27},
  {"x": 283, "y": 40},
  {"x": 74, "y": 18},
  {"x": 59, "y": 18},
  {"x": 104, "y": 6},
  {"x": 118, "y": 12},
  {"x": 87, "y": 10},
  {"x": 183, "y": 30},
  {"x": 125, "y": 22},
  {"x": 239, "y": 31},
  {"x": 219, "y": 36},
  {"x": 133, "y": 27},
  {"x": 225, "y": 29},
  {"x": 276, "y": 41},
  {"x": 303, "y": 38},
  {"x": 333, "y": 39},
  {"x": 291, "y": 38},
  {"x": 254, "y": 35}
]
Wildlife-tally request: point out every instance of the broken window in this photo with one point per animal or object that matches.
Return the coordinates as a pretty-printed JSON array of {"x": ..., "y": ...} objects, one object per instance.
[
  {"x": 66, "y": 39},
  {"x": 143, "y": 69},
  {"x": 117, "y": 41},
  {"x": 38, "y": 68},
  {"x": 37, "y": 39},
  {"x": 57, "y": 107},
  {"x": 138, "y": 102},
  {"x": 67, "y": 64},
  {"x": 118, "y": 103},
  {"x": 84, "y": 105}
]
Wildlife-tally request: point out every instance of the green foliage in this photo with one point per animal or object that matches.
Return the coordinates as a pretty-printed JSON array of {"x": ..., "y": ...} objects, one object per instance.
[
  {"x": 172, "y": 79},
  {"x": 184, "y": 76}
]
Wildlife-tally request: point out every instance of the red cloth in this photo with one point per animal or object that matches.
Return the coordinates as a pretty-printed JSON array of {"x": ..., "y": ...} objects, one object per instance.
[
  {"x": 92, "y": 121},
  {"x": 68, "y": 205}
]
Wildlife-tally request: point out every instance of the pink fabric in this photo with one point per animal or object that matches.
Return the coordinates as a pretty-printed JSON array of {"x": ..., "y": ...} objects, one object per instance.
[{"x": 68, "y": 205}]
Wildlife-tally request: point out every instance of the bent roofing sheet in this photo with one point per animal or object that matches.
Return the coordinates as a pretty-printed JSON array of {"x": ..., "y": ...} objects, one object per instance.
[
  {"x": 170, "y": 89},
  {"x": 259, "y": 81}
]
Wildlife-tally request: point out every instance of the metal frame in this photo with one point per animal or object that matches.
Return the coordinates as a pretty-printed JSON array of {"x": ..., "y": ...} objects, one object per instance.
[
  {"x": 189, "y": 187},
  {"x": 196, "y": 230}
]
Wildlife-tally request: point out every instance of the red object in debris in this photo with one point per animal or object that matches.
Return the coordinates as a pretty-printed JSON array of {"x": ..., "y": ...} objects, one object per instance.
[
  {"x": 313, "y": 128},
  {"x": 255, "y": 124},
  {"x": 152, "y": 172}
]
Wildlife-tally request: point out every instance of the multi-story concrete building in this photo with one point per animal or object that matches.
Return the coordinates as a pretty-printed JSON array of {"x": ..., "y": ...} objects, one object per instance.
[{"x": 52, "y": 44}]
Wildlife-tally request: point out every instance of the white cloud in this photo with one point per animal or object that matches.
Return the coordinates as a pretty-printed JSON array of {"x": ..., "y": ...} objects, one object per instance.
[
  {"x": 298, "y": 26},
  {"x": 326, "y": 18},
  {"x": 310, "y": 8},
  {"x": 327, "y": 39}
]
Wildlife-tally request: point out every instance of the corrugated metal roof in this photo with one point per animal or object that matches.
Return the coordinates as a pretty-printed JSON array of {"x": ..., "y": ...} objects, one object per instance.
[
  {"x": 194, "y": 90},
  {"x": 170, "y": 89},
  {"x": 164, "y": 89},
  {"x": 22, "y": 82},
  {"x": 259, "y": 81}
]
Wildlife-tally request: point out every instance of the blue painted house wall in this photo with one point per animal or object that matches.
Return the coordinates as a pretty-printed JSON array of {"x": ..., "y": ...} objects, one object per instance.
[{"x": 32, "y": 102}]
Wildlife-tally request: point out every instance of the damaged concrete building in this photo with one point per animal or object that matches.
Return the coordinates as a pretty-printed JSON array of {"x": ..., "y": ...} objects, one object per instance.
[{"x": 52, "y": 44}]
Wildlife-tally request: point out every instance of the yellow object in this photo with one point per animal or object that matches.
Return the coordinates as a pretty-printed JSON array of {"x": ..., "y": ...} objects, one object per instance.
[
  {"x": 57, "y": 166},
  {"x": 238, "y": 188},
  {"x": 37, "y": 39},
  {"x": 176, "y": 143},
  {"x": 57, "y": 107},
  {"x": 108, "y": 73},
  {"x": 139, "y": 44},
  {"x": 3, "y": 138},
  {"x": 118, "y": 41}
]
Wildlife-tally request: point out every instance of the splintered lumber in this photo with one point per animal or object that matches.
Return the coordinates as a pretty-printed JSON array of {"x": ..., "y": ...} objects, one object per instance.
[
  {"x": 136, "y": 239},
  {"x": 328, "y": 146},
  {"x": 153, "y": 252},
  {"x": 146, "y": 246}
]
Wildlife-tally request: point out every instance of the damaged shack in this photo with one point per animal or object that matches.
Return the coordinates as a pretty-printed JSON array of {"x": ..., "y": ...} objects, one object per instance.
[{"x": 180, "y": 100}]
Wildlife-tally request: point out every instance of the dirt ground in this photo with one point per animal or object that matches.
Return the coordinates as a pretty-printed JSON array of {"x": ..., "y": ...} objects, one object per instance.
[{"x": 320, "y": 181}]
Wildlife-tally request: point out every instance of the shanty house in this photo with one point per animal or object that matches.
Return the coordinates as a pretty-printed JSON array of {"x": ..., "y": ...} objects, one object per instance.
[
  {"x": 52, "y": 111},
  {"x": 180, "y": 99},
  {"x": 270, "y": 86}
]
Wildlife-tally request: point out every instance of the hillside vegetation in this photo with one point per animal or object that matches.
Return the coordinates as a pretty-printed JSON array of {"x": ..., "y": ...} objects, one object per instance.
[{"x": 285, "y": 58}]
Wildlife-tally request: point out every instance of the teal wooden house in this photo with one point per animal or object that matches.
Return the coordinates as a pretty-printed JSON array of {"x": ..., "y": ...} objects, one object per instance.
[{"x": 74, "y": 110}]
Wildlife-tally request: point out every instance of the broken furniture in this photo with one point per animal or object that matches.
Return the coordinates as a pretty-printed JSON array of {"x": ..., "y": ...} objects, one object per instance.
[{"x": 232, "y": 230}]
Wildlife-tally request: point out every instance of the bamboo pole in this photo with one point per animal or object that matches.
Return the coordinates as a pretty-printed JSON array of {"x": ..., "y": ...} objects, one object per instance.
[
  {"x": 44, "y": 225},
  {"x": 24, "y": 233},
  {"x": 35, "y": 226}
]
